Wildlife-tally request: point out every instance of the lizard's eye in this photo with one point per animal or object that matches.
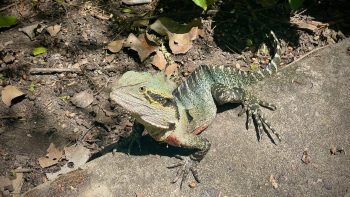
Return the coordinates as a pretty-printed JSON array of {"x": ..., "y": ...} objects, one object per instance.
[{"x": 142, "y": 88}]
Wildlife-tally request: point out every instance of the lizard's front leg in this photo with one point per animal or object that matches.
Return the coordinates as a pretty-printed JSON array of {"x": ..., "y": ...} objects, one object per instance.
[
  {"x": 188, "y": 164},
  {"x": 133, "y": 138},
  {"x": 251, "y": 104}
]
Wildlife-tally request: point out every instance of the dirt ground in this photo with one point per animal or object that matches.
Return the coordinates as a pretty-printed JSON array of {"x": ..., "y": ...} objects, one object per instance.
[{"x": 46, "y": 114}]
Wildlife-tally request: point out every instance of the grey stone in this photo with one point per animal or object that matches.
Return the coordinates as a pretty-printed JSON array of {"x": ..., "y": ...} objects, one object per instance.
[{"x": 313, "y": 113}]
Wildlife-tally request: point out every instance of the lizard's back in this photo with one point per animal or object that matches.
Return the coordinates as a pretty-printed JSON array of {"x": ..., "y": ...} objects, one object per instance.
[{"x": 197, "y": 93}]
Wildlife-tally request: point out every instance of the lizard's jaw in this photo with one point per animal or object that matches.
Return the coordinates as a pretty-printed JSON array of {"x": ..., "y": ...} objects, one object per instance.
[
  {"x": 153, "y": 115},
  {"x": 127, "y": 101}
]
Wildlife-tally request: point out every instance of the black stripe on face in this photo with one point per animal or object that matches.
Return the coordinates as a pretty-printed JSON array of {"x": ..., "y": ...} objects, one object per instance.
[
  {"x": 189, "y": 117},
  {"x": 164, "y": 101}
]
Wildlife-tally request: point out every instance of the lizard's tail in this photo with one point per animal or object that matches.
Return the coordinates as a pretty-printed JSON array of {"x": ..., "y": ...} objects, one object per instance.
[
  {"x": 271, "y": 68},
  {"x": 276, "y": 60}
]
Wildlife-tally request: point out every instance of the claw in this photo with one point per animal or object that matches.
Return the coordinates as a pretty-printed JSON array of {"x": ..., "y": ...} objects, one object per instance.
[
  {"x": 185, "y": 166},
  {"x": 251, "y": 106},
  {"x": 130, "y": 141},
  {"x": 268, "y": 105},
  {"x": 250, "y": 119},
  {"x": 243, "y": 110}
]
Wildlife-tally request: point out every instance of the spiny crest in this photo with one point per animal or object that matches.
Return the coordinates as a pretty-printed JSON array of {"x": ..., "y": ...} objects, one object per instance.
[{"x": 153, "y": 81}]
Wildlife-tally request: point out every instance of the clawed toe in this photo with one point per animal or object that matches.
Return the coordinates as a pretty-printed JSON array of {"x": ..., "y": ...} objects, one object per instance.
[
  {"x": 254, "y": 113},
  {"x": 185, "y": 166}
]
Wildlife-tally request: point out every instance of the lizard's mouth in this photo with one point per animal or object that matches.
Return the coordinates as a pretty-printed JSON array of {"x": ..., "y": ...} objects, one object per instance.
[{"x": 132, "y": 103}]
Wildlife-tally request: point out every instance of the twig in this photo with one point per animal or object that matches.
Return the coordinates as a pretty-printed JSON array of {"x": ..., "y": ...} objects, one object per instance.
[
  {"x": 53, "y": 70},
  {"x": 24, "y": 170},
  {"x": 6, "y": 7},
  {"x": 305, "y": 55}
]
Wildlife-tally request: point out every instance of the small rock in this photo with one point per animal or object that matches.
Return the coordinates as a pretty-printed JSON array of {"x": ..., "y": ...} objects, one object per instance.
[
  {"x": 306, "y": 157},
  {"x": 193, "y": 184},
  {"x": 9, "y": 58},
  {"x": 6, "y": 193},
  {"x": 82, "y": 99},
  {"x": 31, "y": 97},
  {"x": 327, "y": 184},
  {"x": 110, "y": 58}
]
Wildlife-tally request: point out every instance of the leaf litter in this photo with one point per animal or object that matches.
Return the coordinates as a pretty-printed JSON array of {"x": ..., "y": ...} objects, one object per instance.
[
  {"x": 180, "y": 35},
  {"x": 53, "y": 30},
  {"x": 115, "y": 46},
  {"x": 140, "y": 45},
  {"x": 52, "y": 157},
  {"x": 9, "y": 94},
  {"x": 77, "y": 156}
]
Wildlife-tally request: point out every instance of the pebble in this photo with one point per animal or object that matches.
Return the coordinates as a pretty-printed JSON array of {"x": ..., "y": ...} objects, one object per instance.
[{"x": 9, "y": 58}]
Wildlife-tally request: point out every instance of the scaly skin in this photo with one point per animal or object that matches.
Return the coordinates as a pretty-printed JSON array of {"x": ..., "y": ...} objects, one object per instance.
[{"x": 176, "y": 115}]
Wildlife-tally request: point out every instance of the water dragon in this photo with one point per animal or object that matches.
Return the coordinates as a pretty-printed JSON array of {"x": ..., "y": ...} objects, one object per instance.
[{"x": 177, "y": 114}]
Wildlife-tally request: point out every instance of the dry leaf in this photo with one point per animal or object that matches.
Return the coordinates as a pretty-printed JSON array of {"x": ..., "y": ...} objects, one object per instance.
[
  {"x": 181, "y": 43},
  {"x": 53, "y": 30},
  {"x": 52, "y": 157},
  {"x": 139, "y": 44},
  {"x": 164, "y": 25},
  {"x": 180, "y": 35},
  {"x": 17, "y": 183},
  {"x": 77, "y": 155},
  {"x": 115, "y": 46},
  {"x": 159, "y": 60},
  {"x": 171, "y": 69},
  {"x": 9, "y": 93},
  {"x": 273, "y": 182},
  {"x": 82, "y": 99}
]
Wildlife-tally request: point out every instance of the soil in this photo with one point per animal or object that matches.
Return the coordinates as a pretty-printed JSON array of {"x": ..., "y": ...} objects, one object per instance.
[{"x": 233, "y": 31}]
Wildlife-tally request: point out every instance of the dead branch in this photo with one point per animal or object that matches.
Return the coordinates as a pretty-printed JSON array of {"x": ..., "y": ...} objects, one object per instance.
[{"x": 53, "y": 70}]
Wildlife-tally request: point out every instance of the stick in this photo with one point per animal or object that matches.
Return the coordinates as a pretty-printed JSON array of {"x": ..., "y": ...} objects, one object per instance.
[
  {"x": 53, "y": 70},
  {"x": 305, "y": 55},
  {"x": 4, "y": 8},
  {"x": 24, "y": 170}
]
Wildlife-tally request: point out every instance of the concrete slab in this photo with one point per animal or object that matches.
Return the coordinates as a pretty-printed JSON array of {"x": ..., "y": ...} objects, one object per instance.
[{"x": 313, "y": 99}]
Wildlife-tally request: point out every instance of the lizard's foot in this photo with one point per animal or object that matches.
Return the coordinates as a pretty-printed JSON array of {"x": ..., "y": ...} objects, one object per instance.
[
  {"x": 133, "y": 138},
  {"x": 185, "y": 166},
  {"x": 130, "y": 141},
  {"x": 252, "y": 107}
]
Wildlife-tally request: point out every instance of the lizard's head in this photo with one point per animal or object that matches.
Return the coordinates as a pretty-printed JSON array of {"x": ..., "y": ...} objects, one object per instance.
[{"x": 148, "y": 97}]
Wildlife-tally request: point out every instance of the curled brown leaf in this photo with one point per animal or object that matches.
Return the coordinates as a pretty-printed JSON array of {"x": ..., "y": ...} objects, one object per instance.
[{"x": 140, "y": 45}]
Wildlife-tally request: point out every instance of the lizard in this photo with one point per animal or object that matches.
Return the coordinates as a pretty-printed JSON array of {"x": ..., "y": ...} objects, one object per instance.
[{"x": 177, "y": 115}]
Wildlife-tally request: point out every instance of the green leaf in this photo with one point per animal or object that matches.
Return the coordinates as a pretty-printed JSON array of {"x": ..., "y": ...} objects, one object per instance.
[
  {"x": 201, "y": 3},
  {"x": 249, "y": 42},
  {"x": 2, "y": 77},
  {"x": 7, "y": 21},
  {"x": 39, "y": 50},
  {"x": 295, "y": 4},
  {"x": 31, "y": 87},
  {"x": 64, "y": 98}
]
